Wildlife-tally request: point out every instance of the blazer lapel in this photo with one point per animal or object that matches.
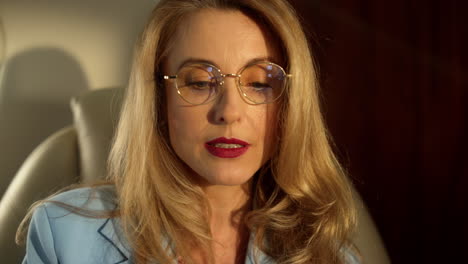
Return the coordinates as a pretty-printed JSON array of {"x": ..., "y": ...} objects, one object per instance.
[{"x": 120, "y": 253}]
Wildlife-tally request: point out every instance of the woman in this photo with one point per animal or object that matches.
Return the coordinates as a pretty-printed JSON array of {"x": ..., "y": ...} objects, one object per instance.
[{"x": 221, "y": 154}]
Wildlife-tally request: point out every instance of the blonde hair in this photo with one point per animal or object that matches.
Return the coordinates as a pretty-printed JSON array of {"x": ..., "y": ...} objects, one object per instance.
[
  {"x": 303, "y": 207},
  {"x": 302, "y": 197}
]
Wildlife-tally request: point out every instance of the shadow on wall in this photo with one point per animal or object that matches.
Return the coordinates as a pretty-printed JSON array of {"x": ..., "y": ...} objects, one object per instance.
[{"x": 35, "y": 91}]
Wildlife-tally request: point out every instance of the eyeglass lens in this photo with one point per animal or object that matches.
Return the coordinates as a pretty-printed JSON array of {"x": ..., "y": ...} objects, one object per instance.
[{"x": 259, "y": 83}]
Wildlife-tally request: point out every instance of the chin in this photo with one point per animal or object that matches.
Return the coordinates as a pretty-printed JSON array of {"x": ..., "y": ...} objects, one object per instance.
[
  {"x": 229, "y": 182},
  {"x": 228, "y": 178}
]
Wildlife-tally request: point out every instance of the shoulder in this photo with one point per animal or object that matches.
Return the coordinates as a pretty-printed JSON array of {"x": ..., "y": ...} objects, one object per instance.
[
  {"x": 92, "y": 198},
  {"x": 76, "y": 220},
  {"x": 76, "y": 208}
]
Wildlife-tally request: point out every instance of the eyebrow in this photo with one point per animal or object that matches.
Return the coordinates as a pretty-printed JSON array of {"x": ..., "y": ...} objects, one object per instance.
[{"x": 199, "y": 60}]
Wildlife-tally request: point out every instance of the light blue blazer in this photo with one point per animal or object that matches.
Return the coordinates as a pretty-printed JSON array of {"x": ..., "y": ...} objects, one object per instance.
[{"x": 57, "y": 236}]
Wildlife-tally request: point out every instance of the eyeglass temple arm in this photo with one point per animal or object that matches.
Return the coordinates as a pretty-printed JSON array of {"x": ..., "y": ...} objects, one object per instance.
[{"x": 167, "y": 77}]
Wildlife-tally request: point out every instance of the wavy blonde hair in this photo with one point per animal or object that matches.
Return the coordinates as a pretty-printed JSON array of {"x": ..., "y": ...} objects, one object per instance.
[{"x": 303, "y": 202}]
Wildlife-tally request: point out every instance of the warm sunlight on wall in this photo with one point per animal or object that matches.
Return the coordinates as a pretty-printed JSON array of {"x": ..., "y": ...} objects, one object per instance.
[
  {"x": 2, "y": 43},
  {"x": 98, "y": 34}
]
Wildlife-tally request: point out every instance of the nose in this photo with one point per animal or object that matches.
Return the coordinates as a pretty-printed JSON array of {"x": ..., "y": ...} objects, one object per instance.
[{"x": 229, "y": 106}]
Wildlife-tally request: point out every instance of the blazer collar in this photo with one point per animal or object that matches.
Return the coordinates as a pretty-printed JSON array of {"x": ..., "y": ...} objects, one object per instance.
[{"x": 121, "y": 253}]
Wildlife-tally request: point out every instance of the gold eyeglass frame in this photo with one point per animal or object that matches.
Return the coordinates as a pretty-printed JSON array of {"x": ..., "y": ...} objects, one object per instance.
[{"x": 237, "y": 75}]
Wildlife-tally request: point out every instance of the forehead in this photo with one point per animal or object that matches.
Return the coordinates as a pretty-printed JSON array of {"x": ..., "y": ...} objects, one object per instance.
[{"x": 227, "y": 38}]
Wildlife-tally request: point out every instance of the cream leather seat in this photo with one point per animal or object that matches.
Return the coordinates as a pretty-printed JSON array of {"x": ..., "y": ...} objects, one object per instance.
[{"x": 78, "y": 153}]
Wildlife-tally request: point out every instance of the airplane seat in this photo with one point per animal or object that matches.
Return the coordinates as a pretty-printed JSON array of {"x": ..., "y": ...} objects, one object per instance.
[
  {"x": 74, "y": 154},
  {"x": 51, "y": 50}
]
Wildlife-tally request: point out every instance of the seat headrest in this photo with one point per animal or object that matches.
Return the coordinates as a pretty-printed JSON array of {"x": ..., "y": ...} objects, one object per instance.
[{"x": 96, "y": 115}]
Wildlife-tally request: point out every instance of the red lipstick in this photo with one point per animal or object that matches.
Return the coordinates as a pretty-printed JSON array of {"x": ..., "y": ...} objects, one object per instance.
[{"x": 227, "y": 147}]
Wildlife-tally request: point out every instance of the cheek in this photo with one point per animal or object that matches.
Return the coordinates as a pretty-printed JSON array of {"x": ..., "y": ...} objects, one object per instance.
[
  {"x": 182, "y": 127},
  {"x": 177, "y": 124},
  {"x": 268, "y": 127},
  {"x": 186, "y": 129}
]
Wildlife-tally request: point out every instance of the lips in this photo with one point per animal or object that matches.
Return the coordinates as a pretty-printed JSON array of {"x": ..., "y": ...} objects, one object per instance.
[{"x": 227, "y": 147}]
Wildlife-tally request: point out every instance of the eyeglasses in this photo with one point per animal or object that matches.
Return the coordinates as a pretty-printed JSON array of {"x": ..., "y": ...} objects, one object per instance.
[{"x": 258, "y": 83}]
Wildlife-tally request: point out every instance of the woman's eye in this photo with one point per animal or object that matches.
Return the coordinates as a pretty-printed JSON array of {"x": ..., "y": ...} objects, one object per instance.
[
  {"x": 259, "y": 86},
  {"x": 200, "y": 85}
]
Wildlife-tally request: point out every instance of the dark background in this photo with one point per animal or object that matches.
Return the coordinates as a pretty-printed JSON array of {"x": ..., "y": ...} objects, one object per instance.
[{"x": 394, "y": 77}]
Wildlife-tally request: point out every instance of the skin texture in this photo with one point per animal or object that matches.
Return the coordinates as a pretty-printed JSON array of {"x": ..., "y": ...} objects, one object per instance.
[{"x": 229, "y": 40}]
